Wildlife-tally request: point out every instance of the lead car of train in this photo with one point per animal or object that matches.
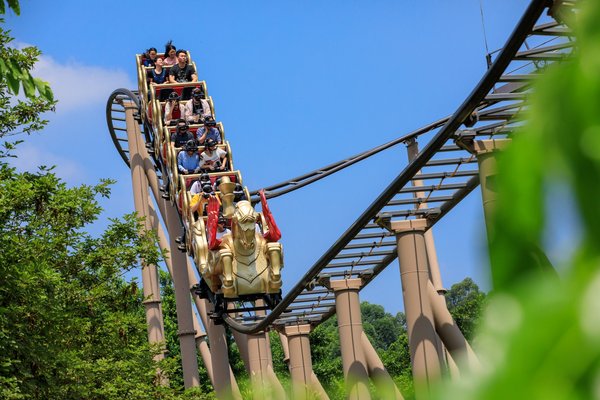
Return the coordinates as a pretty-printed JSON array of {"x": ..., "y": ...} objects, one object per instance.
[{"x": 244, "y": 263}]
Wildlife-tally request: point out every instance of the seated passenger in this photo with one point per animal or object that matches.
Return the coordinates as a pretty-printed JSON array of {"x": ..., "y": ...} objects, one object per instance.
[
  {"x": 197, "y": 109},
  {"x": 221, "y": 228},
  {"x": 213, "y": 158},
  {"x": 150, "y": 57},
  {"x": 188, "y": 160},
  {"x": 158, "y": 75},
  {"x": 209, "y": 132},
  {"x": 182, "y": 135},
  {"x": 182, "y": 71},
  {"x": 173, "y": 110},
  {"x": 201, "y": 191},
  {"x": 199, "y": 185},
  {"x": 170, "y": 54}
]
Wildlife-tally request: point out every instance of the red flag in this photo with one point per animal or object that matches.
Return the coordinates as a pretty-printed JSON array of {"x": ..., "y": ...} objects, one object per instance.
[
  {"x": 274, "y": 234},
  {"x": 211, "y": 223}
]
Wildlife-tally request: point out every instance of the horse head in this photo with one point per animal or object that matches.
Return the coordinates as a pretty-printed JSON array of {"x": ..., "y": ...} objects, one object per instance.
[{"x": 244, "y": 225}]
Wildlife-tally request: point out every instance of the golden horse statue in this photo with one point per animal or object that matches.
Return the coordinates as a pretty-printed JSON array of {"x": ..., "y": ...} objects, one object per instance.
[{"x": 247, "y": 262}]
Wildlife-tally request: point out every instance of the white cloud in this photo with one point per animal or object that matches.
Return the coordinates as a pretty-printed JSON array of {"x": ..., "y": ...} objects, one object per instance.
[
  {"x": 29, "y": 158},
  {"x": 76, "y": 85}
]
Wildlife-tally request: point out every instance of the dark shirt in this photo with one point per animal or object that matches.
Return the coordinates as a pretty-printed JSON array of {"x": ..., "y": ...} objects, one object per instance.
[
  {"x": 182, "y": 74},
  {"x": 149, "y": 62},
  {"x": 159, "y": 78},
  {"x": 181, "y": 140}
]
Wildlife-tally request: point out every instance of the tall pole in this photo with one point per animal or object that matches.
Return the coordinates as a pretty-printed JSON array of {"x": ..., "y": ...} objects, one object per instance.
[
  {"x": 414, "y": 271},
  {"x": 150, "y": 282},
  {"x": 412, "y": 148},
  {"x": 486, "y": 158},
  {"x": 186, "y": 332},
  {"x": 347, "y": 307}
]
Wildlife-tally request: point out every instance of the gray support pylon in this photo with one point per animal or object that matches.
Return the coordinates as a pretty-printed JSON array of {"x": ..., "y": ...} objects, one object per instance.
[
  {"x": 275, "y": 385},
  {"x": 184, "y": 311},
  {"x": 220, "y": 360},
  {"x": 258, "y": 360},
  {"x": 354, "y": 363},
  {"x": 150, "y": 282},
  {"x": 381, "y": 378},
  {"x": 414, "y": 272},
  {"x": 200, "y": 336},
  {"x": 300, "y": 363},
  {"x": 223, "y": 379},
  {"x": 285, "y": 347},
  {"x": 265, "y": 383},
  {"x": 412, "y": 148},
  {"x": 448, "y": 331},
  {"x": 486, "y": 159},
  {"x": 241, "y": 340},
  {"x": 186, "y": 332}
]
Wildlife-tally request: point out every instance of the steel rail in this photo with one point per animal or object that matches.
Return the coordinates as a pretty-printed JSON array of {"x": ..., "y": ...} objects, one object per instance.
[{"x": 300, "y": 181}]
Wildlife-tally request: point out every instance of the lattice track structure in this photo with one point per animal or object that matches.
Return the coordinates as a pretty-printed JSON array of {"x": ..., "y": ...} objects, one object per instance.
[{"x": 435, "y": 180}]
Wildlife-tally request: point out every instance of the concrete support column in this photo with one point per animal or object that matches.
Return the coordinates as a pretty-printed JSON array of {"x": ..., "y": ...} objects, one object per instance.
[
  {"x": 383, "y": 381},
  {"x": 448, "y": 331},
  {"x": 258, "y": 360},
  {"x": 151, "y": 286},
  {"x": 300, "y": 361},
  {"x": 486, "y": 159},
  {"x": 347, "y": 307},
  {"x": 414, "y": 271},
  {"x": 412, "y": 148},
  {"x": 186, "y": 332}
]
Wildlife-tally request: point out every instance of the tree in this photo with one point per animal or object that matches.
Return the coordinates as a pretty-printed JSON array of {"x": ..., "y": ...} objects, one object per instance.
[
  {"x": 381, "y": 328},
  {"x": 465, "y": 302},
  {"x": 18, "y": 115},
  {"x": 68, "y": 320}
]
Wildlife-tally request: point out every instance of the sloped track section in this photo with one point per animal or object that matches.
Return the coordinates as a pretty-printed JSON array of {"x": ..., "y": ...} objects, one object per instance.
[{"x": 437, "y": 178}]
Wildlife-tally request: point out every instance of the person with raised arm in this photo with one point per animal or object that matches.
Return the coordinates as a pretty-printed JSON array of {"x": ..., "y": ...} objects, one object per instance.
[
  {"x": 182, "y": 135},
  {"x": 173, "y": 109},
  {"x": 209, "y": 132}
]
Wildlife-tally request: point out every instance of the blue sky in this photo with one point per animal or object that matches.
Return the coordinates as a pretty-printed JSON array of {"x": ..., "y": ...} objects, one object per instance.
[{"x": 297, "y": 85}]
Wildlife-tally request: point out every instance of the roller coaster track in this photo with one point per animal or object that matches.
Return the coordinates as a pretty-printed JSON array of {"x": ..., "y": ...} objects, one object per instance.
[{"x": 436, "y": 179}]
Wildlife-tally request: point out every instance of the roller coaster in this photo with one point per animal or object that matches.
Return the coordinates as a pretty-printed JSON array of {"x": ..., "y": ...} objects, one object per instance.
[{"x": 241, "y": 273}]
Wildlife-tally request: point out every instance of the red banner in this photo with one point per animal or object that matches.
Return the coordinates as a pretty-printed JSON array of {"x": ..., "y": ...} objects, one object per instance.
[
  {"x": 211, "y": 223},
  {"x": 274, "y": 234}
]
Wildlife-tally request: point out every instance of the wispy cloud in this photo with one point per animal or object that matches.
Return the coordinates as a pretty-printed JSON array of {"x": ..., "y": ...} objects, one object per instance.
[
  {"x": 30, "y": 157},
  {"x": 77, "y": 85}
]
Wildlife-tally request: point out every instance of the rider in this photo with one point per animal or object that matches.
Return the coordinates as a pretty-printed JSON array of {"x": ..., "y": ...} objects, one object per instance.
[
  {"x": 197, "y": 109},
  {"x": 188, "y": 161},
  {"x": 213, "y": 158},
  {"x": 182, "y": 135}
]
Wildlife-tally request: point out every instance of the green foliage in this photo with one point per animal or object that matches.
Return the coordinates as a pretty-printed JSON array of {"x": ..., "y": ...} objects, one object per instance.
[
  {"x": 465, "y": 302},
  {"x": 381, "y": 328},
  {"x": 18, "y": 114},
  {"x": 540, "y": 336},
  {"x": 325, "y": 352},
  {"x": 12, "y": 4},
  {"x": 70, "y": 326}
]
